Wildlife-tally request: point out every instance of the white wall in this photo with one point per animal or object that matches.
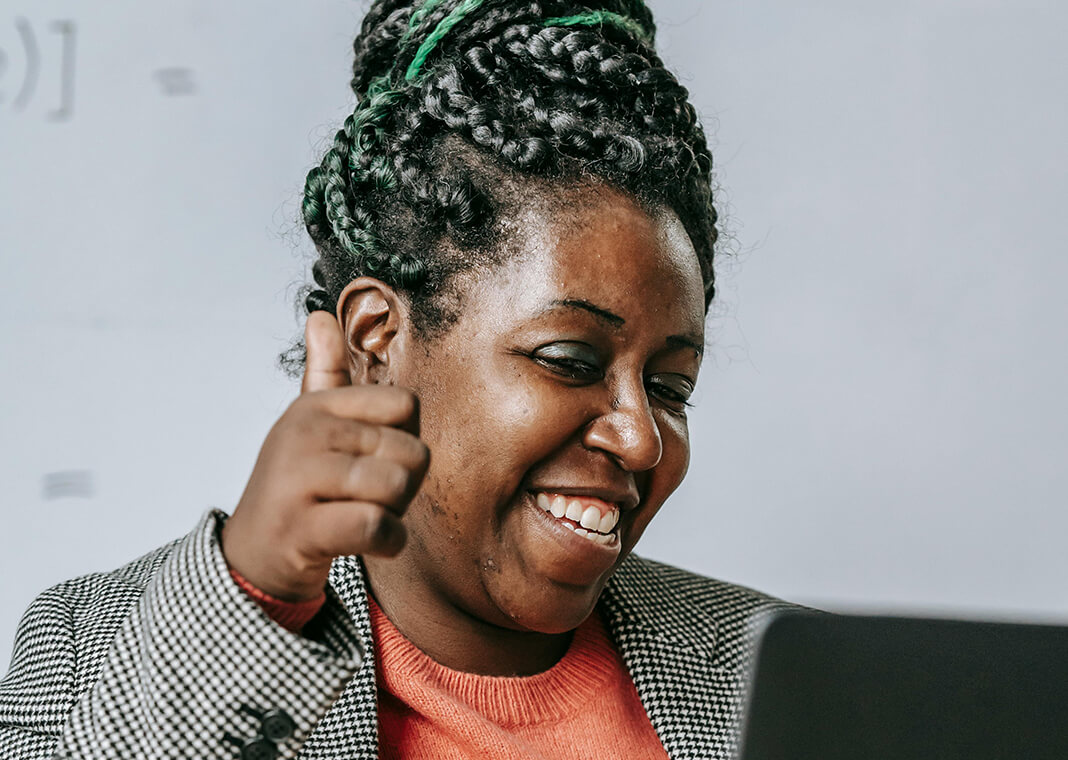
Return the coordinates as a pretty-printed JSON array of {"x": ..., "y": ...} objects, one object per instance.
[{"x": 881, "y": 421}]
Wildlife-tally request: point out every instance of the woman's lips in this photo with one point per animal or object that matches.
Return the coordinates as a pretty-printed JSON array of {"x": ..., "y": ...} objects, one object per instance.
[
  {"x": 586, "y": 516},
  {"x": 559, "y": 549}
]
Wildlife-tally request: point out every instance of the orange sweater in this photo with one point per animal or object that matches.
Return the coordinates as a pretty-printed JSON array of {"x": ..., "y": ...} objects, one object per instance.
[{"x": 585, "y": 706}]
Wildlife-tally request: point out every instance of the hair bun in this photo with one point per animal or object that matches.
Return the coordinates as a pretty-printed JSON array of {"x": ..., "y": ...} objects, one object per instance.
[
  {"x": 466, "y": 110},
  {"x": 377, "y": 46}
]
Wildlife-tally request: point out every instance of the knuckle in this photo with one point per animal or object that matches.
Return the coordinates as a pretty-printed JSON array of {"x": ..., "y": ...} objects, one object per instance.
[
  {"x": 336, "y": 436},
  {"x": 375, "y": 526},
  {"x": 388, "y": 400},
  {"x": 355, "y": 437},
  {"x": 396, "y": 480},
  {"x": 298, "y": 420},
  {"x": 305, "y": 426},
  {"x": 370, "y": 438},
  {"x": 298, "y": 562},
  {"x": 408, "y": 449},
  {"x": 421, "y": 454},
  {"x": 383, "y": 481},
  {"x": 411, "y": 403},
  {"x": 404, "y": 401},
  {"x": 388, "y": 536},
  {"x": 356, "y": 478},
  {"x": 377, "y": 480}
]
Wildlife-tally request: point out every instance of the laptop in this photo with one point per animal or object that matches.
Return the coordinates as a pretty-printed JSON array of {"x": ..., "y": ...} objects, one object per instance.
[{"x": 831, "y": 687}]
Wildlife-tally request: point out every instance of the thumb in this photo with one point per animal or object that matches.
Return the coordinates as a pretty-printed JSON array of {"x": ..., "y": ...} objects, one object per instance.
[{"x": 327, "y": 363}]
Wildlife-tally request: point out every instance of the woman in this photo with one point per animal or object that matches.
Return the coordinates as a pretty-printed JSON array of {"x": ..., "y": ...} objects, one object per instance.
[{"x": 432, "y": 555}]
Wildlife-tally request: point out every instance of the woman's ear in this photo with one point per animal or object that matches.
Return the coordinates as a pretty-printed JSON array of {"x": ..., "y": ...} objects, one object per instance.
[{"x": 373, "y": 319}]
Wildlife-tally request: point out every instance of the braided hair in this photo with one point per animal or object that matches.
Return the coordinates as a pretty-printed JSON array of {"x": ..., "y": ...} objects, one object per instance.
[{"x": 468, "y": 108}]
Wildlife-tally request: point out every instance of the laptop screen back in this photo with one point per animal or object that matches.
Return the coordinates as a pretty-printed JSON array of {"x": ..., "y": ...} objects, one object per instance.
[{"x": 831, "y": 687}]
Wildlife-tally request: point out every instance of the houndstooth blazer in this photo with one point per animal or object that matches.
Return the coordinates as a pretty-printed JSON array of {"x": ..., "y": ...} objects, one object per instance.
[{"x": 167, "y": 658}]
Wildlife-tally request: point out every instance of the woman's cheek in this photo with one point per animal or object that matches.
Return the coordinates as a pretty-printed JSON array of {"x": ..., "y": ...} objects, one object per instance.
[
  {"x": 666, "y": 476},
  {"x": 675, "y": 438},
  {"x": 535, "y": 414}
]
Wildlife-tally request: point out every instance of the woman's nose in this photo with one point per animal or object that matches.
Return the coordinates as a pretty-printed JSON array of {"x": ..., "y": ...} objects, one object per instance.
[{"x": 627, "y": 432}]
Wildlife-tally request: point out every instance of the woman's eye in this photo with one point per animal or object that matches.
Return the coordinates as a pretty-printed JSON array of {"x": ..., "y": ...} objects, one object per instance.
[
  {"x": 673, "y": 391},
  {"x": 573, "y": 360}
]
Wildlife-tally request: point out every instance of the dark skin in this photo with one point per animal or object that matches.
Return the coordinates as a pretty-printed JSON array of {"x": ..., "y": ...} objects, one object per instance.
[{"x": 566, "y": 373}]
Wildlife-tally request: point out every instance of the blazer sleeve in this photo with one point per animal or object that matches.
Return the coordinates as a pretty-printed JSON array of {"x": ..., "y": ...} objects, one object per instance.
[{"x": 195, "y": 669}]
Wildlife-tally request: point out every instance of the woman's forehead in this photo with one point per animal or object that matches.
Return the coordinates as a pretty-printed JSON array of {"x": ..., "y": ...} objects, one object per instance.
[{"x": 609, "y": 253}]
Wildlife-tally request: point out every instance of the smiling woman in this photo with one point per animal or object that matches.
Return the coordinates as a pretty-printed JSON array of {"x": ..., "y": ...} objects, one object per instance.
[
  {"x": 574, "y": 394},
  {"x": 432, "y": 557}
]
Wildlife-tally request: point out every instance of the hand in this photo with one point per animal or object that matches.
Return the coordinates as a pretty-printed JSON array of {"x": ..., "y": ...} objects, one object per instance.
[{"x": 334, "y": 476}]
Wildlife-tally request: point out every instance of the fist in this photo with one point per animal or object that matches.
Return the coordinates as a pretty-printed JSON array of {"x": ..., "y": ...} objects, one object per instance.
[{"x": 334, "y": 476}]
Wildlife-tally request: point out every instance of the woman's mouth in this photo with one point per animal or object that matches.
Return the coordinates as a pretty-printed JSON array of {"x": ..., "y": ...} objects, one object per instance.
[
  {"x": 587, "y": 516},
  {"x": 571, "y": 539}
]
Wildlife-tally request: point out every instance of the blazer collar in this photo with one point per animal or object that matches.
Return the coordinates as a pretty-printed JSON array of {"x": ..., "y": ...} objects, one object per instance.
[
  {"x": 350, "y": 728},
  {"x": 659, "y": 634},
  {"x": 637, "y": 601}
]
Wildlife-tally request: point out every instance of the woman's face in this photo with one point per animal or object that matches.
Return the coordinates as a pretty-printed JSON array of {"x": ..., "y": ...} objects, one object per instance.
[{"x": 560, "y": 389}]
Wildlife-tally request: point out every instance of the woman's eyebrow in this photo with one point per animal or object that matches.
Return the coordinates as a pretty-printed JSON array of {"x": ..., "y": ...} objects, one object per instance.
[
  {"x": 604, "y": 315},
  {"x": 616, "y": 321},
  {"x": 685, "y": 341}
]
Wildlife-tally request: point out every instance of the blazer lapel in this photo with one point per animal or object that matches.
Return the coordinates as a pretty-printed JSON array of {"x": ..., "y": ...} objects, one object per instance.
[
  {"x": 673, "y": 649},
  {"x": 669, "y": 645},
  {"x": 349, "y": 730}
]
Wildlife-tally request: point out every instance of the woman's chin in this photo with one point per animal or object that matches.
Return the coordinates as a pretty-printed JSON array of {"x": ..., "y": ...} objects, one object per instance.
[
  {"x": 542, "y": 605},
  {"x": 546, "y": 577}
]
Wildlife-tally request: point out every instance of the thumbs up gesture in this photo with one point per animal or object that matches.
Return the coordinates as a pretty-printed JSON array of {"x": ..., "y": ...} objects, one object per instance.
[{"x": 334, "y": 476}]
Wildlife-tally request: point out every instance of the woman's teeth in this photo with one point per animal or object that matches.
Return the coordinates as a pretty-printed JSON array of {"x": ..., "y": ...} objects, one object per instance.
[{"x": 592, "y": 521}]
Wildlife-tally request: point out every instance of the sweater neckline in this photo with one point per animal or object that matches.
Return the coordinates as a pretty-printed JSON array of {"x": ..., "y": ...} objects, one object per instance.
[{"x": 588, "y": 667}]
